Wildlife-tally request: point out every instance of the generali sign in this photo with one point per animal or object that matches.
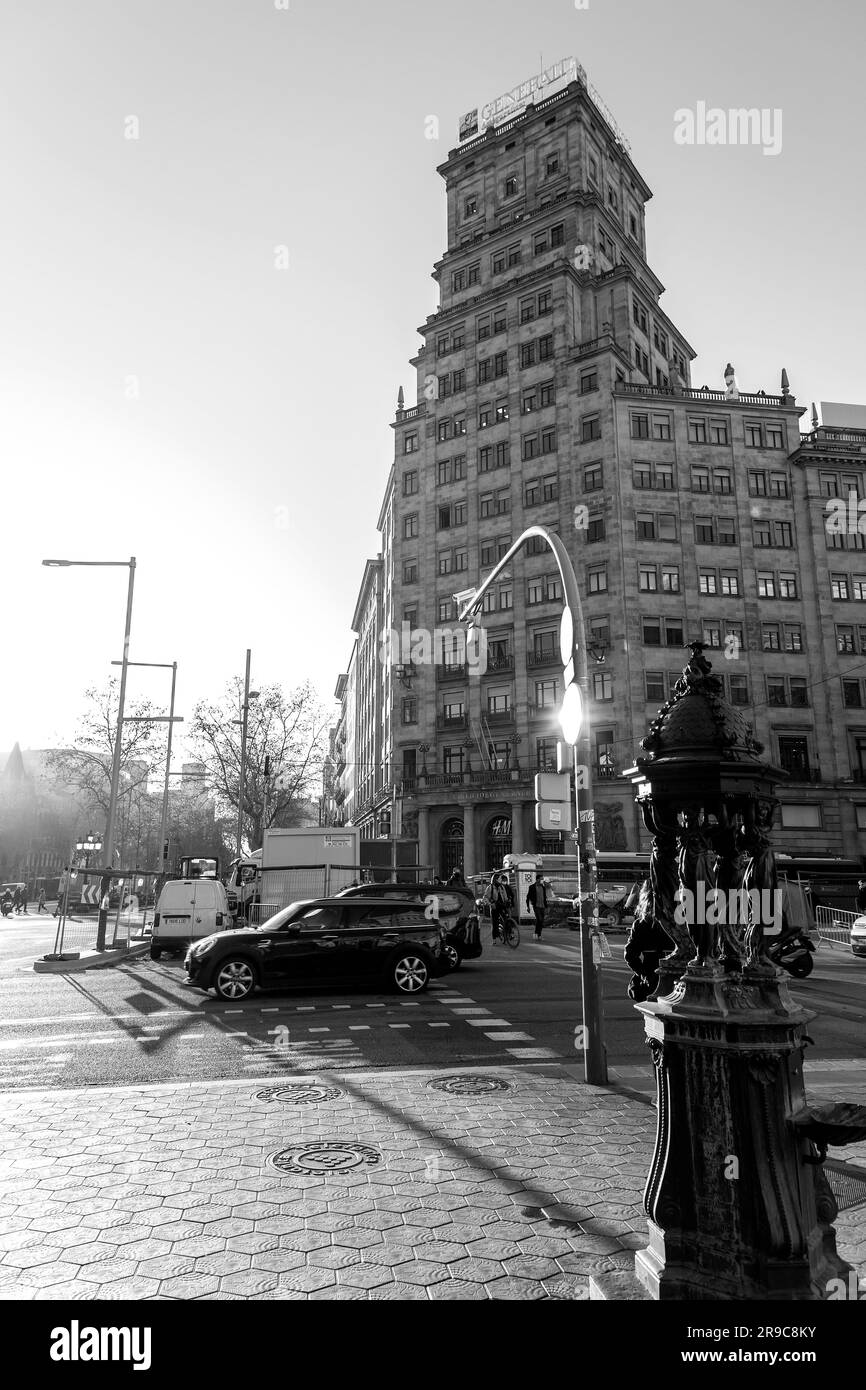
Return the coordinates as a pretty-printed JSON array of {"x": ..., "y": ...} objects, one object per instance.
[{"x": 511, "y": 103}]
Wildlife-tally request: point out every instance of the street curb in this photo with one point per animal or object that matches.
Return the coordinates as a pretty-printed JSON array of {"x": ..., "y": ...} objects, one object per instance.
[{"x": 101, "y": 961}]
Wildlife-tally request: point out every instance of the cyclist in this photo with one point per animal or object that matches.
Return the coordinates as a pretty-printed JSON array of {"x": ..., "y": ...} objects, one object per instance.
[{"x": 499, "y": 897}]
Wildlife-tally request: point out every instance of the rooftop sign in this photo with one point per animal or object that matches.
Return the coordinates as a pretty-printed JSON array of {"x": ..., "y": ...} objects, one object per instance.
[{"x": 544, "y": 84}]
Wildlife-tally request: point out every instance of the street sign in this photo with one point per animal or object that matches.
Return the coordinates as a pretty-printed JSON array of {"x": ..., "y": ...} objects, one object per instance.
[
  {"x": 552, "y": 786},
  {"x": 554, "y": 815}
]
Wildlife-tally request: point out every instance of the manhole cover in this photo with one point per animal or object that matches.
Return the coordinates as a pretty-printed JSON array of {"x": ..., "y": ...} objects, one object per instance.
[
  {"x": 468, "y": 1085},
  {"x": 325, "y": 1157},
  {"x": 299, "y": 1093}
]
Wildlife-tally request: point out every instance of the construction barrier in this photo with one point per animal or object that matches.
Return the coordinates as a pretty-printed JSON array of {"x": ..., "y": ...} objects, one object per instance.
[{"x": 834, "y": 925}]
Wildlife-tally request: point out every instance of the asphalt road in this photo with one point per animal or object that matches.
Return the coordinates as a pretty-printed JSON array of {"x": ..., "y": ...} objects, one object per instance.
[{"x": 135, "y": 1022}]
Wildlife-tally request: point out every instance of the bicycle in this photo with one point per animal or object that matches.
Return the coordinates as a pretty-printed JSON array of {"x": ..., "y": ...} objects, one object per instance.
[{"x": 510, "y": 934}]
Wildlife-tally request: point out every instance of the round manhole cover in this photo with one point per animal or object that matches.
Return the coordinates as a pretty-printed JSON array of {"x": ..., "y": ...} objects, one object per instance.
[
  {"x": 468, "y": 1085},
  {"x": 299, "y": 1093},
  {"x": 322, "y": 1156}
]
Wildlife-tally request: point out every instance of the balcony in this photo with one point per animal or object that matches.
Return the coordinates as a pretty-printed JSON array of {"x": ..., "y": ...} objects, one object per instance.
[
  {"x": 499, "y": 716},
  {"x": 698, "y": 394},
  {"x": 803, "y": 774},
  {"x": 451, "y": 673},
  {"x": 450, "y": 722},
  {"x": 604, "y": 772},
  {"x": 548, "y": 657},
  {"x": 499, "y": 661}
]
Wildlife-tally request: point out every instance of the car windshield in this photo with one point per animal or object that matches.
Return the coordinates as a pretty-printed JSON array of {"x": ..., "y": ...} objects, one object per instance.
[{"x": 285, "y": 914}]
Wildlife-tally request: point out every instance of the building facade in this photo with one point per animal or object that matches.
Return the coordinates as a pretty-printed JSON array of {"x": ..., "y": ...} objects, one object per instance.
[{"x": 553, "y": 389}]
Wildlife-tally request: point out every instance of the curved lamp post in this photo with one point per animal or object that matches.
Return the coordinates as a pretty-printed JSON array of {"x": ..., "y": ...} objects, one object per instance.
[{"x": 575, "y": 729}]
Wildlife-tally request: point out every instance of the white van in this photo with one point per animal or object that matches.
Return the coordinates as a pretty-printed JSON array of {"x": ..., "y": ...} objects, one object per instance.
[{"x": 188, "y": 909}]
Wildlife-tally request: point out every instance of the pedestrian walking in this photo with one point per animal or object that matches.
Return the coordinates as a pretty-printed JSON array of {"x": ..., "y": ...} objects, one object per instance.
[
  {"x": 456, "y": 880},
  {"x": 16, "y": 901},
  {"x": 536, "y": 902},
  {"x": 22, "y": 903},
  {"x": 861, "y": 895},
  {"x": 40, "y": 906}
]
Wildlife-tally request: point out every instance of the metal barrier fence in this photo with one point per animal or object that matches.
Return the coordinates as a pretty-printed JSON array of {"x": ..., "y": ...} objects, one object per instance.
[
  {"x": 834, "y": 925},
  {"x": 130, "y": 910}
]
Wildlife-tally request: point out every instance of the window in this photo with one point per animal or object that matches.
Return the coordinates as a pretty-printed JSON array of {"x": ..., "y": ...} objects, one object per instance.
[
  {"x": 775, "y": 437},
  {"x": 510, "y": 186},
  {"x": 485, "y": 459},
  {"x": 443, "y": 518},
  {"x": 548, "y": 440},
  {"x": 527, "y": 309},
  {"x": 482, "y": 327},
  {"x": 502, "y": 454},
  {"x": 545, "y": 347},
  {"x": 799, "y": 691},
  {"x": 852, "y": 695},
  {"x": 763, "y": 534},
  {"x": 410, "y": 526},
  {"x": 654, "y": 683},
  {"x": 664, "y": 477},
  {"x": 444, "y": 431},
  {"x": 545, "y": 754},
  {"x": 588, "y": 382},
  {"x": 718, "y": 428},
  {"x": 730, "y": 581},
  {"x": 787, "y": 586},
  {"x": 410, "y": 614},
  {"x": 661, "y": 426},
  {"x": 529, "y": 446},
  {"x": 805, "y": 817},
  {"x": 458, "y": 467},
  {"x": 670, "y": 579},
  {"x": 545, "y": 303},
  {"x": 552, "y": 164},
  {"x": 738, "y": 690},
  {"x": 640, "y": 315},
  {"x": 779, "y": 485},
  {"x": 458, "y": 281},
  {"x": 860, "y": 590},
  {"x": 550, "y": 488},
  {"x": 529, "y": 401},
  {"x": 532, "y": 493},
  {"x": 757, "y": 484},
  {"x": 642, "y": 475},
  {"x": 647, "y": 579},
  {"x": 590, "y": 428},
  {"x": 652, "y": 632},
  {"x": 445, "y": 562},
  {"x": 446, "y": 610},
  {"x": 700, "y": 480},
  {"x": 547, "y": 393},
  {"x": 596, "y": 579},
  {"x": 557, "y": 235},
  {"x": 545, "y": 694},
  {"x": 504, "y": 597},
  {"x": 514, "y": 254},
  {"x": 410, "y": 572},
  {"x": 527, "y": 354},
  {"x": 410, "y": 482},
  {"x": 645, "y": 526},
  {"x": 540, "y": 243},
  {"x": 721, "y": 480},
  {"x": 409, "y": 710},
  {"x": 770, "y": 637},
  {"x": 845, "y": 639},
  {"x": 410, "y": 443},
  {"x": 753, "y": 436},
  {"x": 776, "y": 694},
  {"x": 640, "y": 427},
  {"x": 470, "y": 207},
  {"x": 667, "y": 524},
  {"x": 592, "y": 479},
  {"x": 602, "y": 685},
  {"x": 839, "y": 586},
  {"x": 793, "y": 637},
  {"x": 766, "y": 584},
  {"x": 595, "y": 529},
  {"x": 452, "y": 760},
  {"x": 442, "y": 345},
  {"x": 461, "y": 559},
  {"x": 697, "y": 431},
  {"x": 713, "y": 634},
  {"x": 794, "y": 754},
  {"x": 707, "y": 581}
]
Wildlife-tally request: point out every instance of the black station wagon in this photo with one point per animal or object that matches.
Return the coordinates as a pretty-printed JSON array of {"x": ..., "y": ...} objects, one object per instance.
[{"x": 319, "y": 944}]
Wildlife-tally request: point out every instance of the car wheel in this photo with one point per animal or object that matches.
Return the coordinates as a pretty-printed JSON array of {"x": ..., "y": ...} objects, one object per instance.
[
  {"x": 410, "y": 974},
  {"x": 235, "y": 979},
  {"x": 155, "y": 952},
  {"x": 452, "y": 957}
]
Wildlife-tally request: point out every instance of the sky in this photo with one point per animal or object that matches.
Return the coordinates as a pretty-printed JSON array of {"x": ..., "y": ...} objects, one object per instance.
[{"x": 219, "y": 223}]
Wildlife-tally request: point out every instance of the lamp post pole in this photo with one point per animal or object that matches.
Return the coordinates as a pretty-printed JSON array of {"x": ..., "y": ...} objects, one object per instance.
[
  {"x": 576, "y": 672},
  {"x": 242, "y": 779}
]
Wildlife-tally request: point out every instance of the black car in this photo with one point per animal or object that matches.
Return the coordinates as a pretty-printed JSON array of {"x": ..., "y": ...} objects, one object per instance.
[
  {"x": 321, "y": 943},
  {"x": 452, "y": 904}
]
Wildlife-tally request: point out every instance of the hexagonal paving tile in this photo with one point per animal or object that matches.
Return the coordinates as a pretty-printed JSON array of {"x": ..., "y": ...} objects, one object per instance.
[
  {"x": 365, "y": 1276},
  {"x": 249, "y": 1282},
  {"x": 255, "y": 1244},
  {"x": 308, "y": 1280},
  {"x": 281, "y": 1261},
  {"x": 334, "y": 1257},
  {"x": 190, "y": 1286},
  {"x": 389, "y": 1255},
  {"x": 476, "y": 1271},
  {"x": 108, "y": 1271},
  {"x": 305, "y": 1240},
  {"x": 457, "y": 1289},
  {"x": 379, "y": 1220},
  {"x": 280, "y": 1225},
  {"x": 516, "y": 1289},
  {"x": 359, "y": 1240},
  {"x": 493, "y": 1249},
  {"x": 424, "y": 1273},
  {"x": 229, "y": 1262},
  {"x": 170, "y": 1267},
  {"x": 30, "y": 1257},
  {"x": 399, "y": 1292}
]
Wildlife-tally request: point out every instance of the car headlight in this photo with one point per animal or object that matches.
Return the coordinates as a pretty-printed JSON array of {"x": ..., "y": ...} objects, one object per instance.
[{"x": 202, "y": 947}]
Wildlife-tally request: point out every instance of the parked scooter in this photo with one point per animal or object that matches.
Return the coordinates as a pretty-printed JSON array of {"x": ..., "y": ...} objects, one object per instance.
[
  {"x": 793, "y": 953},
  {"x": 6, "y": 905}
]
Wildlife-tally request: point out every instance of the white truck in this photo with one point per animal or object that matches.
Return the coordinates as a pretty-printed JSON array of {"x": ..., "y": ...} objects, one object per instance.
[{"x": 307, "y": 862}]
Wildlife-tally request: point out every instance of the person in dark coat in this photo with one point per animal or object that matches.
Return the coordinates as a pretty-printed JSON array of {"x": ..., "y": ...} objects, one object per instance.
[
  {"x": 536, "y": 901},
  {"x": 861, "y": 895}
]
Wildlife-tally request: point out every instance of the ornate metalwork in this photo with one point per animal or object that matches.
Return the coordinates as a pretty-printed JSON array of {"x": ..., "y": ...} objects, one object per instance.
[
  {"x": 468, "y": 1085},
  {"x": 325, "y": 1156},
  {"x": 299, "y": 1093}
]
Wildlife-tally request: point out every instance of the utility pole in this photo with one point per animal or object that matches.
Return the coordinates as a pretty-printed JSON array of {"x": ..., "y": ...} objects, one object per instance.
[
  {"x": 161, "y": 866},
  {"x": 245, "y": 709},
  {"x": 105, "y": 883}
]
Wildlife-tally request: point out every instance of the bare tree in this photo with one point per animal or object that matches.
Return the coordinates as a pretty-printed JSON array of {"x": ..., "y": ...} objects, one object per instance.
[
  {"x": 286, "y": 728},
  {"x": 86, "y": 765}
]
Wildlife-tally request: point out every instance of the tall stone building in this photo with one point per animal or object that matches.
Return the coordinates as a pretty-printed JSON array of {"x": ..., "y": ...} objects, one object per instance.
[{"x": 553, "y": 389}]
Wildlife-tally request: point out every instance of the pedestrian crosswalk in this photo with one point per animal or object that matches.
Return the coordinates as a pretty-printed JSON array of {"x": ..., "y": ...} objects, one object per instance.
[{"x": 263, "y": 1039}]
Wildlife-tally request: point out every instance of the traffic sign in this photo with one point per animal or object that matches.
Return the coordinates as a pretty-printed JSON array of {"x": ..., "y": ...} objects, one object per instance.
[
  {"x": 554, "y": 815},
  {"x": 552, "y": 786}
]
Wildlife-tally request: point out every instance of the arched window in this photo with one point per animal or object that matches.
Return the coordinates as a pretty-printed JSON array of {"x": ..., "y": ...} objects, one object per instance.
[
  {"x": 451, "y": 847},
  {"x": 497, "y": 841}
]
